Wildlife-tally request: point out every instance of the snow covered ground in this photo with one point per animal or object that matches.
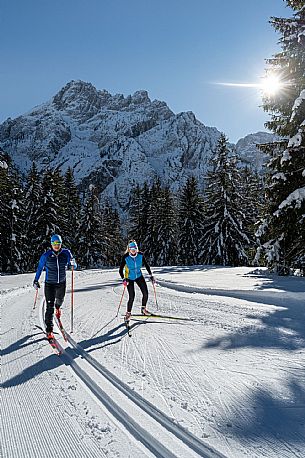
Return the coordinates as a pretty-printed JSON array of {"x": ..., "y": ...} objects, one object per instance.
[{"x": 232, "y": 376}]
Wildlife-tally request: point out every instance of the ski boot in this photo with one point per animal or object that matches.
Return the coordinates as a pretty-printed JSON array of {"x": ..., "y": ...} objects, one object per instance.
[
  {"x": 127, "y": 317},
  {"x": 58, "y": 313},
  {"x": 50, "y": 336},
  {"x": 144, "y": 311}
]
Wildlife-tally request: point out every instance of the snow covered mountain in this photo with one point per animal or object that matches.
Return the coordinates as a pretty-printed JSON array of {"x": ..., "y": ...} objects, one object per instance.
[
  {"x": 246, "y": 148},
  {"x": 112, "y": 141}
]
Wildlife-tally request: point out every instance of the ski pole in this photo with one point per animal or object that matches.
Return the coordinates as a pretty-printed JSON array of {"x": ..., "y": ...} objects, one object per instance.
[
  {"x": 72, "y": 297},
  {"x": 35, "y": 300},
  {"x": 120, "y": 302},
  {"x": 154, "y": 286}
]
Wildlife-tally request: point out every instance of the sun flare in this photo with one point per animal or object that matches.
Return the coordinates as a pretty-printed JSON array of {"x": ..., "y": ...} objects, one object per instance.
[{"x": 271, "y": 85}]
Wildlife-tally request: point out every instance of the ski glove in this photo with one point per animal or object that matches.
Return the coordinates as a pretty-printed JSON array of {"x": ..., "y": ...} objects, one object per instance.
[
  {"x": 125, "y": 282},
  {"x": 73, "y": 263},
  {"x": 36, "y": 284},
  {"x": 152, "y": 279}
]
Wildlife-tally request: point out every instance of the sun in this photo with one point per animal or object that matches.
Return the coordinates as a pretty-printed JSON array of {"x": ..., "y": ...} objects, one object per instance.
[{"x": 271, "y": 85}]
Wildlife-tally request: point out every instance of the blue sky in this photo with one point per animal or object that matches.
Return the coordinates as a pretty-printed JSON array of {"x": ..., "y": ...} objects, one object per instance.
[{"x": 174, "y": 49}]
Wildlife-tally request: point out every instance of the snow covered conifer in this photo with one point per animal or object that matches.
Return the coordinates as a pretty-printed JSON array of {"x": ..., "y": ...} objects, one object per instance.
[
  {"x": 224, "y": 240},
  {"x": 151, "y": 238},
  {"x": 165, "y": 250},
  {"x": 190, "y": 221},
  {"x": 153, "y": 223},
  {"x": 50, "y": 218},
  {"x": 32, "y": 204},
  {"x": 112, "y": 241},
  {"x": 91, "y": 246},
  {"x": 252, "y": 192},
  {"x": 16, "y": 215},
  {"x": 138, "y": 213},
  {"x": 282, "y": 231},
  {"x": 4, "y": 208},
  {"x": 11, "y": 217},
  {"x": 72, "y": 212}
]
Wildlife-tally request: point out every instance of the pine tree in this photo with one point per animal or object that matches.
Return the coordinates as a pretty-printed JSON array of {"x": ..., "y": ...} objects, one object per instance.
[
  {"x": 51, "y": 218},
  {"x": 91, "y": 253},
  {"x": 190, "y": 223},
  {"x": 282, "y": 231},
  {"x": 11, "y": 217},
  {"x": 72, "y": 211},
  {"x": 16, "y": 238},
  {"x": 138, "y": 213},
  {"x": 252, "y": 191},
  {"x": 5, "y": 187},
  {"x": 224, "y": 240},
  {"x": 151, "y": 240},
  {"x": 32, "y": 206},
  {"x": 165, "y": 250},
  {"x": 135, "y": 213},
  {"x": 112, "y": 241}
]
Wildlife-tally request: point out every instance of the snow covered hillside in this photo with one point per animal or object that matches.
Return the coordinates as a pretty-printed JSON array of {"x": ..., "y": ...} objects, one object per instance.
[
  {"x": 227, "y": 381},
  {"x": 112, "y": 141},
  {"x": 246, "y": 148}
]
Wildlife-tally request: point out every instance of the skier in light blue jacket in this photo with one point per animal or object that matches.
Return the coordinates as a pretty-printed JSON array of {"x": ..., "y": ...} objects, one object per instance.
[{"x": 130, "y": 272}]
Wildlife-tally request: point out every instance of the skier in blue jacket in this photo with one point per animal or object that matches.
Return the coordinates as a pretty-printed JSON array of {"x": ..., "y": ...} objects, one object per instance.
[
  {"x": 54, "y": 262},
  {"x": 130, "y": 272}
]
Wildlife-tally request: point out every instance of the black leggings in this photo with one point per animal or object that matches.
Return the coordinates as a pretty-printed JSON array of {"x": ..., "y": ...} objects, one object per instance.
[
  {"x": 55, "y": 294},
  {"x": 143, "y": 287}
]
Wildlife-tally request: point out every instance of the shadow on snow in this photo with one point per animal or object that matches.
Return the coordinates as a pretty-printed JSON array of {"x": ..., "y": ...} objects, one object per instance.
[
  {"x": 269, "y": 413},
  {"x": 52, "y": 361},
  {"x": 281, "y": 328}
]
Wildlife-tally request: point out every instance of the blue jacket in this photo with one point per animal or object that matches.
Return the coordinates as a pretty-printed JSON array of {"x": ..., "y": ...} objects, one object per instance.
[
  {"x": 131, "y": 266},
  {"x": 55, "y": 265}
]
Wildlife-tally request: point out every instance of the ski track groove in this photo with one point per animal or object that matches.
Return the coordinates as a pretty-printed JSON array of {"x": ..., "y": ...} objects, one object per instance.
[
  {"x": 36, "y": 401},
  {"x": 184, "y": 377},
  {"x": 158, "y": 386},
  {"x": 208, "y": 452},
  {"x": 191, "y": 385},
  {"x": 218, "y": 319},
  {"x": 137, "y": 352},
  {"x": 180, "y": 373}
]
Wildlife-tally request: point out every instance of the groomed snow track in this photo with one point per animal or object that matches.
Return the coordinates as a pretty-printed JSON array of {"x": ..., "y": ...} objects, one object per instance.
[{"x": 165, "y": 439}]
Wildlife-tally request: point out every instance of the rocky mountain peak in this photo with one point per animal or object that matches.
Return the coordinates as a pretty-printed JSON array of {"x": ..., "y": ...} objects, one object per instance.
[
  {"x": 247, "y": 149},
  {"x": 140, "y": 97},
  {"x": 114, "y": 142},
  {"x": 82, "y": 100},
  {"x": 79, "y": 97}
]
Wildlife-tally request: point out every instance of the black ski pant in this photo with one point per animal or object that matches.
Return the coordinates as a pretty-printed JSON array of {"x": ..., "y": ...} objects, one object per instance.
[
  {"x": 143, "y": 287},
  {"x": 54, "y": 294}
]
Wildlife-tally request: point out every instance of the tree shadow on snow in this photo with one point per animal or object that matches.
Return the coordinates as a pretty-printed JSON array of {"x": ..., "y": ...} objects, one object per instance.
[
  {"x": 179, "y": 269},
  {"x": 96, "y": 287},
  {"x": 269, "y": 415},
  {"x": 280, "y": 328},
  {"x": 265, "y": 413},
  {"x": 286, "y": 284}
]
